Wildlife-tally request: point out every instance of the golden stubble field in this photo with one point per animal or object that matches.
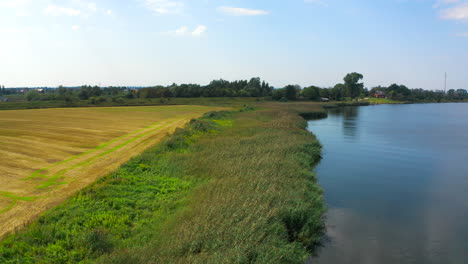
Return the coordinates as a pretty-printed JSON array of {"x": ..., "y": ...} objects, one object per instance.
[{"x": 46, "y": 155}]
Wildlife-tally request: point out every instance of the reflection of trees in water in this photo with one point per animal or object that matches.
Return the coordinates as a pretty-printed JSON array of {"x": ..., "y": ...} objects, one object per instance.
[
  {"x": 335, "y": 112},
  {"x": 350, "y": 116}
]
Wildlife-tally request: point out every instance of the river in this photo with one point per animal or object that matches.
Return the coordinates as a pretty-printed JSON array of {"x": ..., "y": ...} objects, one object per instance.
[{"x": 396, "y": 184}]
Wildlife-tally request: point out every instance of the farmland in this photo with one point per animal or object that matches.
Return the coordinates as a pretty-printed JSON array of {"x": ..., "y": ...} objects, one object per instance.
[{"x": 49, "y": 154}]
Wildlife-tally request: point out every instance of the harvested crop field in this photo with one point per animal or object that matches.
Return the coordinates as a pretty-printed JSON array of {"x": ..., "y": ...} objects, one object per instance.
[{"x": 49, "y": 154}]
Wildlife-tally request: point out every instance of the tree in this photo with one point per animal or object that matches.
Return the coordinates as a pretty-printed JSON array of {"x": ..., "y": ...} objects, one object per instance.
[
  {"x": 325, "y": 93},
  {"x": 352, "y": 85},
  {"x": 311, "y": 93},
  {"x": 254, "y": 88},
  {"x": 462, "y": 94},
  {"x": 87, "y": 91},
  {"x": 337, "y": 92},
  {"x": 266, "y": 89},
  {"x": 278, "y": 94},
  {"x": 451, "y": 94},
  {"x": 33, "y": 95},
  {"x": 291, "y": 91},
  {"x": 398, "y": 92}
]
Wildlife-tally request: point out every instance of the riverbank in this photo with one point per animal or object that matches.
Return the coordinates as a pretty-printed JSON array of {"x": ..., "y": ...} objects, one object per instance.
[{"x": 227, "y": 188}]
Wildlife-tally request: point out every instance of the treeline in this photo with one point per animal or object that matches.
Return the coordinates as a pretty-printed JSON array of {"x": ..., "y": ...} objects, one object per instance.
[
  {"x": 254, "y": 87},
  {"x": 5, "y": 91},
  {"x": 351, "y": 88},
  {"x": 217, "y": 88},
  {"x": 403, "y": 93}
]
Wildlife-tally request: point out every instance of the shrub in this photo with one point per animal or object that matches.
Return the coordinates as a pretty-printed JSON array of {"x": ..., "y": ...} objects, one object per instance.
[{"x": 99, "y": 241}]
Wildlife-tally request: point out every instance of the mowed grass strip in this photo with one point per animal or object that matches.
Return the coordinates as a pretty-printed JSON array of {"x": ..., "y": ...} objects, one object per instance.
[
  {"x": 72, "y": 148},
  {"x": 51, "y": 180},
  {"x": 229, "y": 188},
  {"x": 38, "y": 173}
]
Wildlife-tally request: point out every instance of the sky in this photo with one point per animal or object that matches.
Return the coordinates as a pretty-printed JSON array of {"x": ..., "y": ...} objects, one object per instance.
[{"x": 305, "y": 42}]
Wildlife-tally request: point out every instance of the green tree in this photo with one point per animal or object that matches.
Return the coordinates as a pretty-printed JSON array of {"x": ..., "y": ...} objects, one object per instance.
[
  {"x": 312, "y": 93},
  {"x": 337, "y": 92},
  {"x": 33, "y": 95},
  {"x": 352, "y": 85},
  {"x": 451, "y": 94},
  {"x": 291, "y": 91},
  {"x": 254, "y": 87},
  {"x": 462, "y": 94},
  {"x": 278, "y": 94},
  {"x": 325, "y": 93}
]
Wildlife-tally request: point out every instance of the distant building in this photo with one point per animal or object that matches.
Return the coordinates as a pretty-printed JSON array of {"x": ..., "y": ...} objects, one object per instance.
[
  {"x": 380, "y": 94},
  {"x": 323, "y": 99},
  {"x": 3, "y": 99},
  {"x": 39, "y": 90}
]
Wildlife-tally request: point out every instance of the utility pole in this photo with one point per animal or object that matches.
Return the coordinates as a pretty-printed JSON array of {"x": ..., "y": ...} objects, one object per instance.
[{"x": 445, "y": 83}]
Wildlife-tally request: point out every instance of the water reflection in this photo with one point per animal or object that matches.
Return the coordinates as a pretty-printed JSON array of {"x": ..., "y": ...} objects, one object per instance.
[
  {"x": 400, "y": 194},
  {"x": 349, "y": 117},
  {"x": 350, "y": 120}
]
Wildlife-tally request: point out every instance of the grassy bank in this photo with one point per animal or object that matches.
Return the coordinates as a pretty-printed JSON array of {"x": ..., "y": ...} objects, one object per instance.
[
  {"x": 384, "y": 101},
  {"x": 229, "y": 188},
  {"x": 343, "y": 104}
]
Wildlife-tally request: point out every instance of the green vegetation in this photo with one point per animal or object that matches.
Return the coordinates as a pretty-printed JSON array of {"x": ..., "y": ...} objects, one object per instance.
[
  {"x": 352, "y": 89},
  {"x": 383, "y": 101},
  {"x": 210, "y": 101},
  {"x": 343, "y": 104},
  {"x": 227, "y": 188},
  {"x": 402, "y": 93},
  {"x": 216, "y": 91}
]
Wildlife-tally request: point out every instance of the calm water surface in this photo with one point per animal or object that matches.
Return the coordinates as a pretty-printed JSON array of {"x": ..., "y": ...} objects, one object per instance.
[{"x": 396, "y": 183}]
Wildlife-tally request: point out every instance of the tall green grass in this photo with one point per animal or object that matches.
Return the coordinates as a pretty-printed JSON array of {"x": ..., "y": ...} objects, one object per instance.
[
  {"x": 232, "y": 187},
  {"x": 337, "y": 105},
  {"x": 383, "y": 101}
]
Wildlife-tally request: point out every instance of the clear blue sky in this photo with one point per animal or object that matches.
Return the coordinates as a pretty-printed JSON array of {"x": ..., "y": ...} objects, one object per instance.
[{"x": 305, "y": 42}]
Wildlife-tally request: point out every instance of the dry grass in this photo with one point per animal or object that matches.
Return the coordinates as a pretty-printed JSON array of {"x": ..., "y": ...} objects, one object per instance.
[{"x": 49, "y": 154}]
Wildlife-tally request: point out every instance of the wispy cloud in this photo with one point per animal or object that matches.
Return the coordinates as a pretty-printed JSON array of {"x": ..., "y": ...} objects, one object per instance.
[
  {"x": 458, "y": 12},
  {"x": 185, "y": 31},
  {"x": 164, "y": 6},
  {"x": 199, "y": 30},
  {"x": 58, "y": 11},
  {"x": 440, "y": 3},
  {"x": 238, "y": 11},
  {"x": 317, "y": 2}
]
